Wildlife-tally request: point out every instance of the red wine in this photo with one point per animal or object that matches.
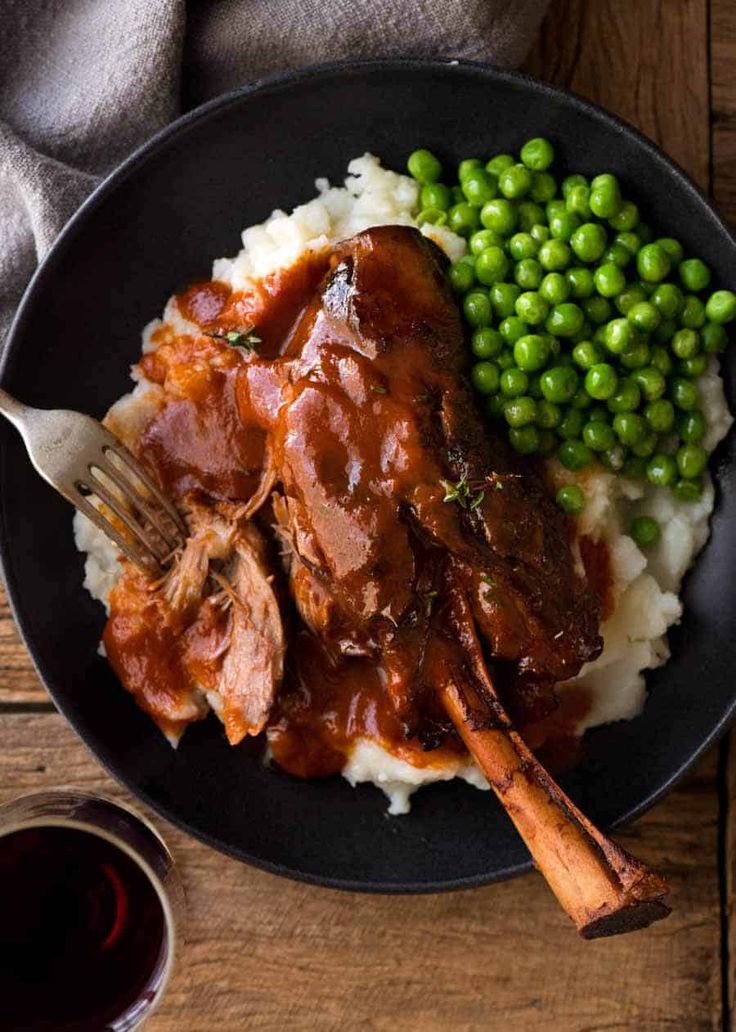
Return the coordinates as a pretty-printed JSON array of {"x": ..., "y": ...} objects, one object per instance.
[{"x": 81, "y": 931}]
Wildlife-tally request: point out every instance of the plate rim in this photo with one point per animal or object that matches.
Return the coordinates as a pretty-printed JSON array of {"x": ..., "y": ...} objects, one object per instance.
[{"x": 162, "y": 138}]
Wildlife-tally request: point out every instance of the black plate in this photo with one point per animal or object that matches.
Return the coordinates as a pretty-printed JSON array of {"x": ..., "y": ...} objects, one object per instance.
[{"x": 159, "y": 221}]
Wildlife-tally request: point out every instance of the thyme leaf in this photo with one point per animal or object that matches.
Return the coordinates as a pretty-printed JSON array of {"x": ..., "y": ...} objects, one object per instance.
[{"x": 245, "y": 338}]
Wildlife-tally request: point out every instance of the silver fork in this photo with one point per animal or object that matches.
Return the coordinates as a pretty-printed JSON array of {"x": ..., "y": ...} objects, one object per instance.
[{"x": 83, "y": 460}]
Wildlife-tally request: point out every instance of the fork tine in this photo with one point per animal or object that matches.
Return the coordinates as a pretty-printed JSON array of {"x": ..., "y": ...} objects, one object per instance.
[
  {"x": 143, "y": 559},
  {"x": 146, "y": 538},
  {"x": 169, "y": 530},
  {"x": 122, "y": 453}
]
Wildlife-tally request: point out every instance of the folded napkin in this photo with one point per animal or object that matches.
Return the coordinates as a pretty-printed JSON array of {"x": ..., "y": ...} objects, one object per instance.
[{"x": 84, "y": 82}]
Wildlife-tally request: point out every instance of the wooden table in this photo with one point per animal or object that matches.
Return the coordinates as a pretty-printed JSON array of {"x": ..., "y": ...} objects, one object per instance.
[{"x": 264, "y": 953}]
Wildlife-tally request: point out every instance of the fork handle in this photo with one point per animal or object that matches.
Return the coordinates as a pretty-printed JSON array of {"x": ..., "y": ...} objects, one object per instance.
[{"x": 12, "y": 409}]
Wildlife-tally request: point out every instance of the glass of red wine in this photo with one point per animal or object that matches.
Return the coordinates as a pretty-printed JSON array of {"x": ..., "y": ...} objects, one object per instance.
[{"x": 89, "y": 898}]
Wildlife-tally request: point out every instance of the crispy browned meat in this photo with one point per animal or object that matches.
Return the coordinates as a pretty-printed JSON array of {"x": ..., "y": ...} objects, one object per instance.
[{"x": 377, "y": 424}]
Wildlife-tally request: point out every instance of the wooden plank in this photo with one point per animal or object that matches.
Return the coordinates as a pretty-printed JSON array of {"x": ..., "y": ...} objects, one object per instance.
[
  {"x": 265, "y": 953},
  {"x": 19, "y": 682},
  {"x": 723, "y": 99},
  {"x": 645, "y": 61}
]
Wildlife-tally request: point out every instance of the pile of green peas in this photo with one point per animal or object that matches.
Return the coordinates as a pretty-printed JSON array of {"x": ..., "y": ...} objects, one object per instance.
[{"x": 588, "y": 333}]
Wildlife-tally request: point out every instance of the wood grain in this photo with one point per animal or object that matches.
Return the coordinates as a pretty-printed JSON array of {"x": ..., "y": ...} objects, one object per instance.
[
  {"x": 19, "y": 682},
  {"x": 269, "y": 954},
  {"x": 645, "y": 60},
  {"x": 723, "y": 99}
]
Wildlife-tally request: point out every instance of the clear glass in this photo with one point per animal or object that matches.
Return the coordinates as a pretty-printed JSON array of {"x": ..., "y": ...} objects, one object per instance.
[{"x": 133, "y": 835}]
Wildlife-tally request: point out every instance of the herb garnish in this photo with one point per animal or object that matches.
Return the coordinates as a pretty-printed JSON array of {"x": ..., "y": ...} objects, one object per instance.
[
  {"x": 378, "y": 389},
  {"x": 245, "y": 338},
  {"x": 462, "y": 493}
]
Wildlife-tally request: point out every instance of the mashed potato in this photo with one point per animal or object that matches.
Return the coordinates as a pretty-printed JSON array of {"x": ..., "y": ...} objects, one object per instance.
[{"x": 645, "y": 587}]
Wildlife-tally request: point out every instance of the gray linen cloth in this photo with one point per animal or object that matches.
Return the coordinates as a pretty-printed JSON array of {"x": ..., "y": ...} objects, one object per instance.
[{"x": 84, "y": 82}]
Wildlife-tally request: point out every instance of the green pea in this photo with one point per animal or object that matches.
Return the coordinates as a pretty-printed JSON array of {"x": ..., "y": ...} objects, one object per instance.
[
  {"x": 721, "y": 306},
  {"x": 531, "y": 352},
  {"x": 537, "y": 154},
  {"x": 554, "y": 255},
  {"x": 424, "y": 166},
  {"x": 505, "y": 360},
  {"x": 617, "y": 254},
  {"x": 500, "y": 216},
  {"x": 644, "y": 316},
  {"x": 581, "y": 282},
  {"x": 630, "y": 296},
  {"x": 522, "y": 245},
  {"x": 514, "y": 382},
  {"x": 653, "y": 263},
  {"x": 619, "y": 335},
  {"x": 478, "y": 186},
  {"x": 629, "y": 427},
  {"x": 497, "y": 164},
  {"x": 512, "y": 328},
  {"x": 477, "y": 308},
  {"x": 535, "y": 390},
  {"x": 555, "y": 207},
  {"x": 528, "y": 273},
  {"x": 650, "y": 382},
  {"x": 597, "y": 309},
  {"x": 549, "y": 415},
  {"x": 532, "y": 308},
  {"x": 660, "y": 359},
  {"x": 635, "y": 467},
  {"x": 695, "y": 275},
  {"x": 574, "y": 455},
  {"x": 491, "y": 266},
  {"x": 673, "y": 248},
  {"x": 626, "y": 218},
  {"x": 599, "y": 414},
  {"x": 571, "y": 499},
  {"x": 631, "y": 241},
  {"x": 457, "y": 195},
  {"x": 461, "y": 276},
  {"x": 544, "y": 187},
  {"x": 486, "y": 342},
  {"x": 570, "y": 182},
  {"x": 684, "y": 394},
  {"x": 577, "y": 201},
  {"x": 661, "y": 470},
  {"x": 467, "y": 166},
  {"x": 581, "y": 399},
  {"x": 636, "y": 355},
  {"x": 667, "y": 299},
  {"x": 525, "y": 439},
  {"x": 691, "y": 426},
  {"x": 609, "y": 280},
  {"x": 432, "y": 217},
  {"x": 538, "y": 232},
  {"x": 494, "y": 405},
  {"x": 565, "y": 320},
  {"x": 693, "y": 367},
  {"x": 547, "y": 442},
  {"x": 605, "y": 196},
  {"x": 598, "y": 436},
  {"x": 503, "y": 298},
  {"x": 530, "y": 215},
  {"x": 645, "y": 531},
  {"x": 589, "y": 241},
  {"x": 660, "y": 415},
  {"x": 562, "y": 225},
  {"x": 685, "y": 343},
  {"x": 520, "y": 411},
  {"x": 554, "y": 288},
  {"x": 693, "y": 312},
  {"x": 646, "y": 445},
  {"x": 463, "y": 219},
  {"x": 559, "y": 384},
  {"x": 586, "y": 354},
  {"x": 691, "y": 460},
  {"x": 665, "y": 331},
  {"x": 601, "y": 381},
  {"x": 515, "y": 181},
  {"x": 713, "y": 337},
  {"x": 482, "y": 239},
  {"x": 435, "y": 195},
  {"x": 485, "y": 377},
  {"x": 688, "y": 490}
]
